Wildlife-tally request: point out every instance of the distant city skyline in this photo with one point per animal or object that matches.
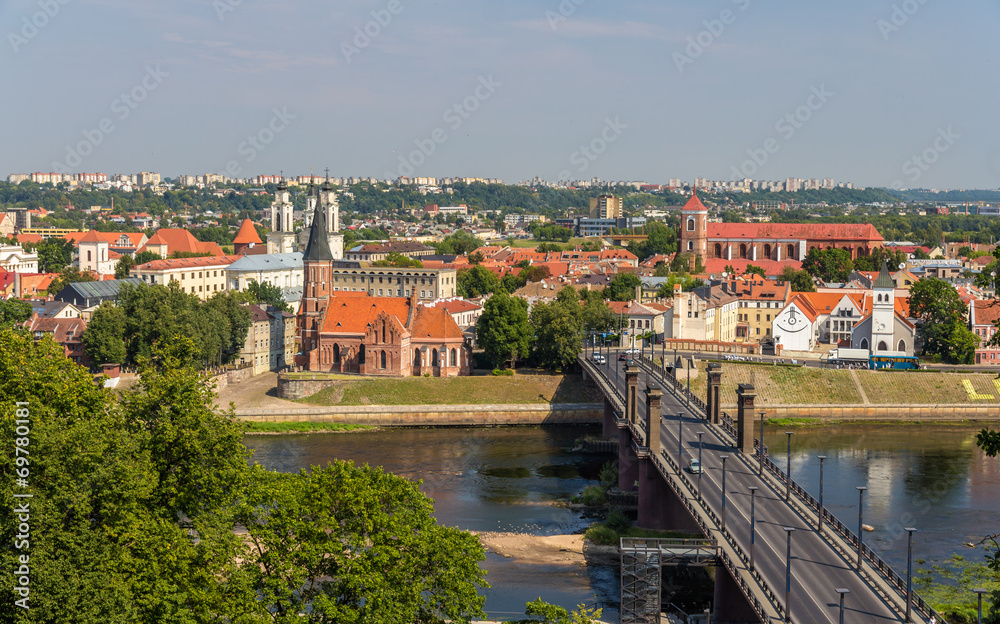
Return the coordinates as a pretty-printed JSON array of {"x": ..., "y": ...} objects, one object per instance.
[{"x": 892, "y": 93}]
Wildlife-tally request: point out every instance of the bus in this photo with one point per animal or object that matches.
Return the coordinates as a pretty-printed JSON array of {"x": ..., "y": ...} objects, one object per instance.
[{"x": 899, "y": 362}]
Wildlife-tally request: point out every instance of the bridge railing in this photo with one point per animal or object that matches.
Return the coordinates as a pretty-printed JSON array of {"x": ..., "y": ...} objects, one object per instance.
[{"x": 670, "y": 381}]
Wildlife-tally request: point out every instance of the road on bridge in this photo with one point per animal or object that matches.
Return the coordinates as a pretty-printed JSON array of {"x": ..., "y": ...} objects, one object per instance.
[{"x": 817, "y": 568}]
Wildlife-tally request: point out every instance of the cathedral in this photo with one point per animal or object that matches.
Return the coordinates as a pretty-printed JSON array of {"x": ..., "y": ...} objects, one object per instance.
[{"x": 283, "y": 238}]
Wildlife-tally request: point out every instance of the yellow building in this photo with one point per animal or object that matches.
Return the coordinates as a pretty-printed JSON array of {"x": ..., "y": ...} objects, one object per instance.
[
  {"x": 605, "y": 207},
  {"x": 203, "y": 276}
]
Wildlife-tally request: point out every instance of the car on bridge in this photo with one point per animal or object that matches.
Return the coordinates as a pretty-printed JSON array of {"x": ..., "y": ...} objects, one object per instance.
[
  {"x": 599, "y": 359},
  {"x": 694, "y": 466}
]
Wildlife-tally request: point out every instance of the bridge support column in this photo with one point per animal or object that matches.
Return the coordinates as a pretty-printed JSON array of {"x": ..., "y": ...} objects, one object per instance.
[
  {"x": 610, "y": 429},
  {"x": 632, "y": 393},
  {"x": 654, "y": 396},
  {"x": 659, "y": 507},
  {"x": 729, "y": 604},
  {"x": 713, "y": 408},
  {"x": 745, "y": 395},
  {"x": 628, "y": 463}
]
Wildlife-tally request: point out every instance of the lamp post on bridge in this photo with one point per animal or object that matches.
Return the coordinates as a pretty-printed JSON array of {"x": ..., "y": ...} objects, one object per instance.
[
  {"x": 760, "y": 448},
  {"x": 819, "y": 525},
  {"x": 842, "y": 592},
  {"x": 980, "y": 593},
  {"x": 788, "y": 573},
  {"x": 861, "y": 506},
  {"x": 909, "y": 571},
  {"x": 724, "y": 458},
  {"x": 700, "y": 467},
  {"x": 788, "y": 468},
  {"x": 680, "y": 439},
  {"x": 753, "y": 527}
]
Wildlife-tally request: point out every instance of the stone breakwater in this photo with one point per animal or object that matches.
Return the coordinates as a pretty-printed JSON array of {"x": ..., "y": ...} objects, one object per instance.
[{"x": 434, "y": 415}]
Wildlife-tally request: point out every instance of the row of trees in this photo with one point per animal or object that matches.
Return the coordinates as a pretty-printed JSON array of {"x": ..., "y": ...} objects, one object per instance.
[
  {"x": 551, "y": 337},
  {"x": 836, "y": 265}
]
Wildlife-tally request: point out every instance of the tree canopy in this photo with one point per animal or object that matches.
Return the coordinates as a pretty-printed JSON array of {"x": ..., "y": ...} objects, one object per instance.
[
  {"x": 830, "y": 265},
  {"x": 942, "y": 314},
  {"x": 503, "y": 330},
  {"x": 267, "y": 294},
  {"x": 622, "y": 287},
  {"x": 558, "y": 330},
  {"x": 476, "y": 282}
]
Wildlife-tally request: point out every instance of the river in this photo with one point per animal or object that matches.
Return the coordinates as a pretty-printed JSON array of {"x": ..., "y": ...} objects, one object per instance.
[{"x": 932, "y": 477}]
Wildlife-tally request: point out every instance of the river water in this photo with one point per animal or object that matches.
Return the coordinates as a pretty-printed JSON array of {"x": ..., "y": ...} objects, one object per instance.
[{"x": 932, "y": 477}]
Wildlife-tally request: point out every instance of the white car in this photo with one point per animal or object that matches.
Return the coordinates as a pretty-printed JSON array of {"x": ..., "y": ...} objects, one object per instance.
[{"x": 599, "y": 359}]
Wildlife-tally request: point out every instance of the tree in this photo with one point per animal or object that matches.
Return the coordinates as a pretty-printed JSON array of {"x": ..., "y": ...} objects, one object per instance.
[
  {"x": 68, "y": 275},
  {"x": 476, "y": 257},
  {"x": 54, "y": 254},
  {"x": 396, "y": 259},
  {"x": 597, "y": 316},
  {"x": 267, "y": 294},
  {"x": 660, "y": 240},
  {"x": 548, "y": 248},
  {"x": 535, "y": 273},
  {"x": 873, "y": 261},
  {"x": 553, "y": 614},
  {"x": 503, "y": 331},
  {"x": 511, "y": 282},
  {"x": 942, "y": 314},
  {"x": 145, "y": 256},
  {"x": 558, "y": 330},
  {"x": 476, "y": 282},
  {"x": 104, "y": 338},
  {"x": 753, "y": 269},
  {"x": 14, "y": 312},
  {"x": 622, "y": 287},
  {"x": 124, "y": 266},
  {"x": 460, "y": 243},
  {"x": 801, "y": 280},
  {"x": 830, "y": 265},
  {"x": 687, "y": 282}
]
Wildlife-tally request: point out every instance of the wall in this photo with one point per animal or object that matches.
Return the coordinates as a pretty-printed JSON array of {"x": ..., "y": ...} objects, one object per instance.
[
  {"x": 437, "y": 415},
  {"x": 936, "y": 413}
]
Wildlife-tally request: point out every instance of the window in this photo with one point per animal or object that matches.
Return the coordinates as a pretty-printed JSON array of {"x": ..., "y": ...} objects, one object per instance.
[
  {"x": 690, "y": 224},
  {"x": 758, "y": 318}
]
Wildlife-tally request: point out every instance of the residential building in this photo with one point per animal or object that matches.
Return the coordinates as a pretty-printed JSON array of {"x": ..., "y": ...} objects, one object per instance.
[
  {"x": 465, "y": 313},
  {"x": 65, "y": 331},
  {"x": 640, "y": 318},
  {"x": 984, "y": 314},
  {"x": 54, "y": 309},
  {"x": 380, "y": 251},
  {"x": 14, "y": 259},
  {"x": 202, "y": 276},
  {"x": 427, "y": 284},
  {"x": 708, "y": 313},
  {"x": 167, "y": 241},
  {"x": 270, "y": 342},
  {"x": 606, "y": 207},
  {"x": 760, "y": 302}
]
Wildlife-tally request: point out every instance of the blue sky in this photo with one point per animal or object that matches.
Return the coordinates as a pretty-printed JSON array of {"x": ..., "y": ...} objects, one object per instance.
[{"x": 880, "y": 92}]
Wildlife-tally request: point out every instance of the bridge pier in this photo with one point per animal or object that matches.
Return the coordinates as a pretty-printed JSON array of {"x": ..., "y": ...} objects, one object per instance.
[
  {"x": 628, "y": 464},
  {"x": 729, "y": 603},
  {"x": 610, "y": 429},
  {"x": 659, "y": 506},
  {"x": 713, "y": 409},
  {"x": 745, "y": 395},
  {"x": 632, "y": 393}
]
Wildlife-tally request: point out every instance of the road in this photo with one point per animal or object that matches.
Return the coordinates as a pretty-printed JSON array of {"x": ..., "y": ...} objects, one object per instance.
[{"x": 817, "y": 568}]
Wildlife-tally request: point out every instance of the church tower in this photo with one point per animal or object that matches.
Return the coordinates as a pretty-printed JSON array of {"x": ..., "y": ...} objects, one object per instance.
[
  {"x": 281, "y": 238},
  {"x": 317, "y": 265},
  {"x": 883, "y": 311},
  {"x": 326, "y": 201},
  {"x": 694, "y": 229}
]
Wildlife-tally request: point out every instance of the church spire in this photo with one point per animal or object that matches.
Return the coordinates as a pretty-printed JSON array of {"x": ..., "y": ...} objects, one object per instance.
[
  {"x": 884, "y": 279},
  {"x": 318, "y": 247}
]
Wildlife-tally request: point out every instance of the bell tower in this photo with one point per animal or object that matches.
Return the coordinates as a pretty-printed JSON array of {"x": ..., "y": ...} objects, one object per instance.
[
  {"x": 883, "y": 311},
  {"x": 317, "y": 265},
  {"x": 281, "y": 238},
  {"x": 694, "y": 229}
]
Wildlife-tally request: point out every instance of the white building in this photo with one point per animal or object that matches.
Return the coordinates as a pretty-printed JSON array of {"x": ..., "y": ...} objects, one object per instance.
[
  {"x": 283, "y": 270},
  {"x": 886, "y": 330},
  {"x": 14, "y": 259}
]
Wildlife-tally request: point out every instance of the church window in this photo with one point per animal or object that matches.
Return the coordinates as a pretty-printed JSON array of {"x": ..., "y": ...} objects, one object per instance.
[
  {"x": 454, "y": 358},
  {"x": 690, "y": 224},
  {"x": 690, "y": 245},
  {"x": 743, "y": 250},
  {"x": 382, "y": 361},
  {"x": 434, "y": 357},
  {"x": 881, "y": 346},
  {"x": 901, "y": 346},
  {"x": 718, "y": 250}
]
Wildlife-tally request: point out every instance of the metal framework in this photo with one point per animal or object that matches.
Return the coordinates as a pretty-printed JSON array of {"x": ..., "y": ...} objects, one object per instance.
[{"x": 642, "y": 565}]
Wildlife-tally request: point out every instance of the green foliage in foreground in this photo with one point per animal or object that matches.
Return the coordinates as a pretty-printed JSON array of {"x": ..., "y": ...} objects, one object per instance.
[
  {"x": 145, "y": 509},
  {"x": 546, "y": 613},
  {"x": 954, "y": 597}
]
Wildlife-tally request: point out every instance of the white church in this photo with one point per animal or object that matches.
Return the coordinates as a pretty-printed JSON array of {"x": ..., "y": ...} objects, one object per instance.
[
  {"x": 282, "y": 237},
  {"x": 885, "y": 330}
]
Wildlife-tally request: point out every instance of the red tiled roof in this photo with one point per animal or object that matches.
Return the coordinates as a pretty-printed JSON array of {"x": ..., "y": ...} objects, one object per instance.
[
  {"x": 716, "y": 266},
  {"x": 434, "y": 323},
  {"x": 694, "y": 204},
  {"x": 353, "y": 315},
  {"x": 177, "y": 239},
  {"x": 188, "y": 263},
  {"x": 985, "y": 312},
  {"x": 796, "y": 231},
  {"x": 247, "y": 234}
]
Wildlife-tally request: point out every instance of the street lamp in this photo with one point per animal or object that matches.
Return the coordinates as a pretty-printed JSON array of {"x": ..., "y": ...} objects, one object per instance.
[
  {"x": 788, "y": 467},
  {"x": 760, "y": 449},
  {"x": 861, "y": 507},
  {"x": 819, "y": 526},
  {"x": 788, "y": 573},
  {"x": 980, "y": 593},
  {"x": 842, "y": 592},
  {"x": 724, "y": 458},
  {"x": 700, "y": 467},
  {"x": 753, "y": 528},
  {"x": 909, "y": 570},
  {"x": 680, "y": 437}
]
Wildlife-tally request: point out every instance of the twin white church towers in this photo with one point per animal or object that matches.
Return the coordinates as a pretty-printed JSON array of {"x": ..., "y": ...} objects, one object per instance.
[{"x": 282, "y": 237}]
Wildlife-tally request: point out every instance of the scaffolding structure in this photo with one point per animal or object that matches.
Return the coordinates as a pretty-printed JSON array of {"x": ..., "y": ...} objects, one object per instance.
[{"x": 642, "y": 564}]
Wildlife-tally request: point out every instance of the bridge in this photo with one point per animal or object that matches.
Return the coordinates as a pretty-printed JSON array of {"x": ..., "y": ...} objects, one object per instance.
[{"x": 780, "y": 555}]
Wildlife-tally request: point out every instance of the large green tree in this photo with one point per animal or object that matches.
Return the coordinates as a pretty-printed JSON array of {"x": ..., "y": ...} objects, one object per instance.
[
  {"x": 54, "y": 254},
  {"x": 476, "y": 282},
  {"x": 942, "y": 314},
  {"x": 124, "y": 266},
  {"x": 661, "y": 240},
  {"x": 622, "y": 287},
  {"x": 68, "y": 275},
  {"x": 267, "y": 294},
  {"x": 801, "y": 280},
  {"x": 558, "y": 330},
  {"x": 14, "y": 312},
  {"x": 503, "y": 330},
  {"x": 830, "y": 265},
  {"x": 104, "y": 338}
]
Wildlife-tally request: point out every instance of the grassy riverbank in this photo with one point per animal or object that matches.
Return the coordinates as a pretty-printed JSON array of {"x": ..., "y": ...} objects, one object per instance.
[
  {"x": 265, "y": 428},
  {"x": 481, "y": 390},
  {"x": 785, "y": 385}
]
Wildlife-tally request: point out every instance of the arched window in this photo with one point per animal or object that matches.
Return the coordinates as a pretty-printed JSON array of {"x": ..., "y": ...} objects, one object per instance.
[
  {"x": 336, "y": 354},
  {"x": 690, "y": 224},
  {"x": 88, "y": 255},
  {"x": 743, "y": 250},
  {"x": 434, "y": 357},
  {"x": 881, "y": 346},
  {"x": 383, "y": 335},
  {"x": 690, "y": 245},
  {"x": 790, "y": 251},
  {"x": 718, "y": 250},
  {"x": 382, "y": 360},
  {"x": 361, "y": 355},
  {"x": 901, "y": 346},
  {"x": 416, "y": 357},
  {"x": 878, "y": 298},
  {"x": 454, "y": 357},
  {"x": 864, "y": 343},
  {"x": 767, "y": 251}
]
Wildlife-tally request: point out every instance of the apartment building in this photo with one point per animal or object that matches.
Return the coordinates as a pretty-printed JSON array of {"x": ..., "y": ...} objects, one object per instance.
[
  {"x": 270, "y": 342},
  {"x": 428, "y": 284},
  {"x": 705, "y": 313},
  {"x": 203, "y": 276}
]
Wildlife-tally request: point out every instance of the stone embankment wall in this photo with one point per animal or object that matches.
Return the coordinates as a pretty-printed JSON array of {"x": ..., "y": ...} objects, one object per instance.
[
  {"x": 913, "y": 413},
  {"x": 232, "y": 377},
  {"x": 434, "y": 415}
]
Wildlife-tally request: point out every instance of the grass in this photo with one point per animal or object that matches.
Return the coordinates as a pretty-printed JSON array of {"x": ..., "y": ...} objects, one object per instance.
[
  {"x": 603, "y": 535},
  {"x": 479, "y": 390},
  {"x": 303, "y": 427},
  {"x": 797, "y": 422}
]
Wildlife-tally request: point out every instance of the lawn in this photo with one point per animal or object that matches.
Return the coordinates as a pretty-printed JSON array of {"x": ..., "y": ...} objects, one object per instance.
[
  {"x": 782, "y": 385},
  {"x": 480, "y": 390}
]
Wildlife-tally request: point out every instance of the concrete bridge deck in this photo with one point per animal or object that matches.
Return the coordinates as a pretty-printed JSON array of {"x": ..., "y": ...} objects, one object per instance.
[{"x": 670, "y": 497}]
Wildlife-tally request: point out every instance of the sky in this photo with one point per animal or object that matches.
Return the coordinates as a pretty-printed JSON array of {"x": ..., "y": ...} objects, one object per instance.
[{"x": 899, "y": 93}]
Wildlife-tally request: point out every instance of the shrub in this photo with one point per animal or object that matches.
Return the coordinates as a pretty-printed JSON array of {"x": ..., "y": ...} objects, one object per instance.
[
  {"x": 617, "y": 521},
  {"x": 594, "y": 496},
  {"x": 609, "y": 474},
  {"x": 503, "y": 372},
  {"x": 602, "y": 536}
]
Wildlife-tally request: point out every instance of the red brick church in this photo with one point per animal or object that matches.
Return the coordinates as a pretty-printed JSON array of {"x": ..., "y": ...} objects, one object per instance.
[{"x": 357, "y": 333}]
